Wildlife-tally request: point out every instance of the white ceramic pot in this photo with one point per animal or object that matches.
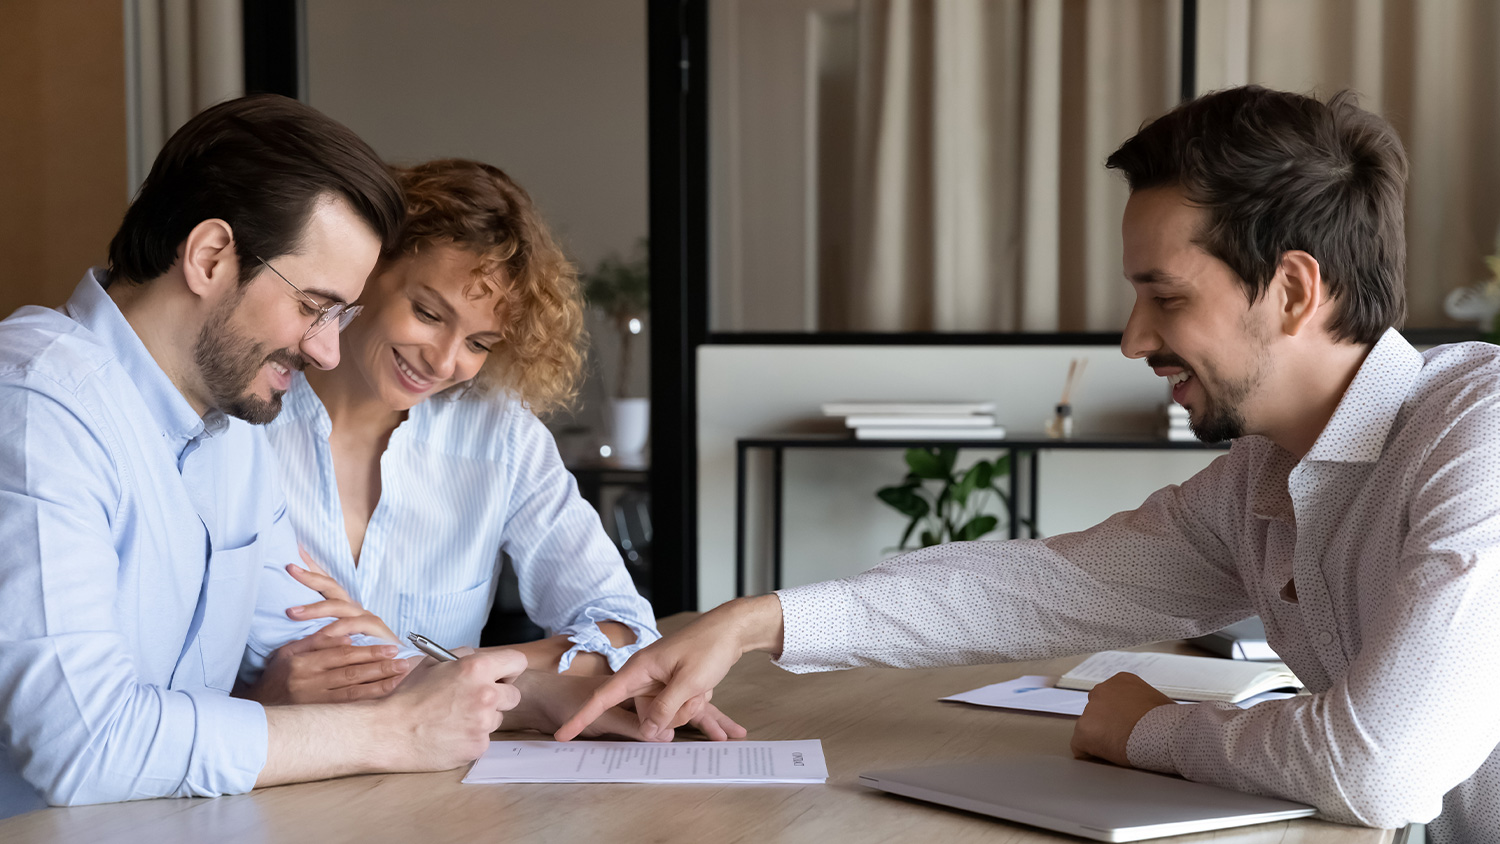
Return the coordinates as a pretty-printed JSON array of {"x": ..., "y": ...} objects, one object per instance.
[{"x": 630, "y": 423}]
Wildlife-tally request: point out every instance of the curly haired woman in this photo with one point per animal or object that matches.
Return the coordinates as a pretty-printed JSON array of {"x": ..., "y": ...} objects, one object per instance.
[{"x": 416, "y": 466}]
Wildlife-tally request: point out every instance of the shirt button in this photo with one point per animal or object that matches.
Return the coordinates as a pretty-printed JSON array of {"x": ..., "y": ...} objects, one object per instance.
[{"x": 1325, "y": 637}]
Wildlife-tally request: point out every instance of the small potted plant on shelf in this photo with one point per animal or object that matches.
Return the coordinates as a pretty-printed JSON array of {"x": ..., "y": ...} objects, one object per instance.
[
  {"x": 620, "y": 288},
  {"x": 949, "y": 505}
]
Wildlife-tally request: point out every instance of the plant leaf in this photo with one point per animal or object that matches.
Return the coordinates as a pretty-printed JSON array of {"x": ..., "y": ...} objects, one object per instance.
[
  {"x": 906, "y": 534},
  {"x": 929, "y": 540},
  {"x": 977, "y": 527},
  {"x": 983, "y": 471},
  {"x": 972, "y": 479},
  {"x": 925, "y": 464},
  {"x": 948, "y": 455},
  {"x": 906, "y": 501}
]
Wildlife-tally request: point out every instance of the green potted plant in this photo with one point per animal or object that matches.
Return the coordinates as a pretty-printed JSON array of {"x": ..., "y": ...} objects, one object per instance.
[
  {"x": 620, "y": 288},
  {"x": 950, "y": 505}
]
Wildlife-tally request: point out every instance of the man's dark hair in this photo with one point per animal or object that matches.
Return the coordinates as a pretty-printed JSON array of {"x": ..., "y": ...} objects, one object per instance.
[
  {"x": 1278, "y": 171},
  {"x": 260, "y": 164}
]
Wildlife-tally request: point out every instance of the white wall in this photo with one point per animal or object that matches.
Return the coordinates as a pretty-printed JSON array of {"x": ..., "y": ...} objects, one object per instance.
[{"x": 834, "y": 526}]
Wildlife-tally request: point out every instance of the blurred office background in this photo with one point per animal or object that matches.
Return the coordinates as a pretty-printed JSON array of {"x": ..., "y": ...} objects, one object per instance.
[{"x": 844, "y": 198}]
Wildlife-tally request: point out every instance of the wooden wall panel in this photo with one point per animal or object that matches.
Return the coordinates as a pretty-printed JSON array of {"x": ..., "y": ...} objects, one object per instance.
[{"x": 62, "y": 144}]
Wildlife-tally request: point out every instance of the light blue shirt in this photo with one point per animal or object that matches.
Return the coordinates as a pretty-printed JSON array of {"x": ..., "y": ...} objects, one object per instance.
[
  {"x": 461, "y": 482},
  {"x": 135, "y": 534}
]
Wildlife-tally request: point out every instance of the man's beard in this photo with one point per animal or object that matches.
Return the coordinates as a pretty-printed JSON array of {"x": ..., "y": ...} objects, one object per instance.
[
  {"x": 229, "y": 361},
  {"x": 1220, "y": 417}
]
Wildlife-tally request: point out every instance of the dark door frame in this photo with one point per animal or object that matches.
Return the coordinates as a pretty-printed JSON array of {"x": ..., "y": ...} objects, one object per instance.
[{"x": 677, "y": 94}]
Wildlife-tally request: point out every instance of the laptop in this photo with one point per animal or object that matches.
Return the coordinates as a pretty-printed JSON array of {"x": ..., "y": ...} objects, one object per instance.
[{"x": 1092, "y": 800}]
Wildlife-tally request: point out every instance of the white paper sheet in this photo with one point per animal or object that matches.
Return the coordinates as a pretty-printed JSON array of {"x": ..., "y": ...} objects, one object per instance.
[
  {"x": 631, "y": 761},
  {"x": 1034, "y": 693}
]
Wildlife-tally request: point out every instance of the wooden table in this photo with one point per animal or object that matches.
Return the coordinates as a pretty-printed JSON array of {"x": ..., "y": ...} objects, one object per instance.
[{"x": 867, "y": 719}]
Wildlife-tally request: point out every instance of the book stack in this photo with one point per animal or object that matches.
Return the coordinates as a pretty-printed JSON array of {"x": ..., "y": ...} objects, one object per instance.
[
  {"x": 1177, "y": 422},
  {"x": 921, "y": 420}
]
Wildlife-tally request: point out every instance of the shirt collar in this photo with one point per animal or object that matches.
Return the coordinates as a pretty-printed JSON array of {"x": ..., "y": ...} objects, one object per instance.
[
  {"x": 1270, "y": 497},
  {"x": 300, "y": 402},
  {"x": 1358, "y": 429},
  {"x": 92, "y": 308}
]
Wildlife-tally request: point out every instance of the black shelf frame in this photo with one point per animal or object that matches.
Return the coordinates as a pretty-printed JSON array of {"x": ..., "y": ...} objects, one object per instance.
[{"x": 1024, "y": 452}]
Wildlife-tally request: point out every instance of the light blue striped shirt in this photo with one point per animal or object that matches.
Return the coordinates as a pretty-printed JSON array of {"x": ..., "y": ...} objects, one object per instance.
[
  {"x": 461, "y": 482},
  {"x": 137, "y": 540}
]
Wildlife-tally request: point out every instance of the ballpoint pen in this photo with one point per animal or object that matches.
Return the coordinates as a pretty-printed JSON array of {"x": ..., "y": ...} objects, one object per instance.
[{"x": 431, "y": 648}]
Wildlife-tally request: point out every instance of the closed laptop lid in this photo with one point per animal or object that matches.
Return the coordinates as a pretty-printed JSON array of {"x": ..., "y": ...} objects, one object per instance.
[{"x": 1089, "y": 799}]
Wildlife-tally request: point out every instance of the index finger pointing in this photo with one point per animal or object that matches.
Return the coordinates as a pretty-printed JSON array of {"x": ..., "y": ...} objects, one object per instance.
[{"x": 611, "y": 693}]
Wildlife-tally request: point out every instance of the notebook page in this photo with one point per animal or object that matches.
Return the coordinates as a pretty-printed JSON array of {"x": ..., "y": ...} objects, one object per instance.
[{"x": 1221, "y": 677}]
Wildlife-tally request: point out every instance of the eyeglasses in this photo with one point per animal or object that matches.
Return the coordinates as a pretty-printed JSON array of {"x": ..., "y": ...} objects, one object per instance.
[{"x": 340, "y": 312}]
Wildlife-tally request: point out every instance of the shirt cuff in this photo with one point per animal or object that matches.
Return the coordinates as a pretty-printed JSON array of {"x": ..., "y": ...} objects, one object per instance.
[
  {"x": 229, "y": 745},
  {"x": 815, "y": 627},
  {"x": 588, "y": 638},
  {"x": 1150, "y": 744}
]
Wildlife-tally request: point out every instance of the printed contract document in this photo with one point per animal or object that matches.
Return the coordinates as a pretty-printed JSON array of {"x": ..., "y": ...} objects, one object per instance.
[{"x": 631, "y": 761}]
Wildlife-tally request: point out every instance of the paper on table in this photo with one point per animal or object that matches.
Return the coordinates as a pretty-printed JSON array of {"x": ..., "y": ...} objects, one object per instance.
[
  {"x": 1035, "y": 693},
  {"x": 630, "y": 761},
  {"x": 1032, "y": 693}
]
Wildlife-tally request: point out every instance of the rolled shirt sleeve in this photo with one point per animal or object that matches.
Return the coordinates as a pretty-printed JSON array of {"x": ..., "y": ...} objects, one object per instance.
[
  {"x": 570, "y": 574},
  {"x": 469, "y": 482}
]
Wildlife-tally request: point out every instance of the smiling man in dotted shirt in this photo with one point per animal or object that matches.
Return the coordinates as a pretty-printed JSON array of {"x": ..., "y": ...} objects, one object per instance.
[{"x": 1358, "y": 512}]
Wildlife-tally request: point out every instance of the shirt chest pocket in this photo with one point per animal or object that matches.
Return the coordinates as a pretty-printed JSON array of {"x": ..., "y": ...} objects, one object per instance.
[
  {"x": 228, "y": 608},
  {"x": 452, "y": 619}
]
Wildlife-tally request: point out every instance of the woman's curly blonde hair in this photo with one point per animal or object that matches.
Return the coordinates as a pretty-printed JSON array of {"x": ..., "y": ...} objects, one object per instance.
[{"x": 476, "y": 207}]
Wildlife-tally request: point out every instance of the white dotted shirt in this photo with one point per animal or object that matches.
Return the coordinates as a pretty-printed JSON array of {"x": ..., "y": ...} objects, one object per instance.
[{"x": 1390, "y": 530}]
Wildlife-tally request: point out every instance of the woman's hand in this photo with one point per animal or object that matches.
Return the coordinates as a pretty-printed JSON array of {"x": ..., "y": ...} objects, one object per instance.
[
  {"x": 327, "y": 667},
  {"x": 351, "y": 616}
]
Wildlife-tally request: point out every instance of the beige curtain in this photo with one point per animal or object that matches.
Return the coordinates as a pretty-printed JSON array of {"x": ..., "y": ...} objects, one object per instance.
[
  {"x": 979, "y": 201},
  {"x": 181, "y": 57},
  {"x": 1431, "y": 67}
]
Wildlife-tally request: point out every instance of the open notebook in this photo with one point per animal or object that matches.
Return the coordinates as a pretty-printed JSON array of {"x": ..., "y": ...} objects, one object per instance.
[{"x": 1184, "y": 677}]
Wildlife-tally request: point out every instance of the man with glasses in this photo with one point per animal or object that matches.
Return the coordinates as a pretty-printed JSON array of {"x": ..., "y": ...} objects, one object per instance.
[
  {"x": 334, "y": 313},
  {"x": 145, "y": 534}
]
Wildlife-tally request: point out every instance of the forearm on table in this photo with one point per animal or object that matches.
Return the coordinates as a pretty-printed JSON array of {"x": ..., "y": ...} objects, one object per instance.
[
  {"x": 322, "y": 741},
  {"x": 532, "y": 711},
  {"x": 976, "y": 602}
]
